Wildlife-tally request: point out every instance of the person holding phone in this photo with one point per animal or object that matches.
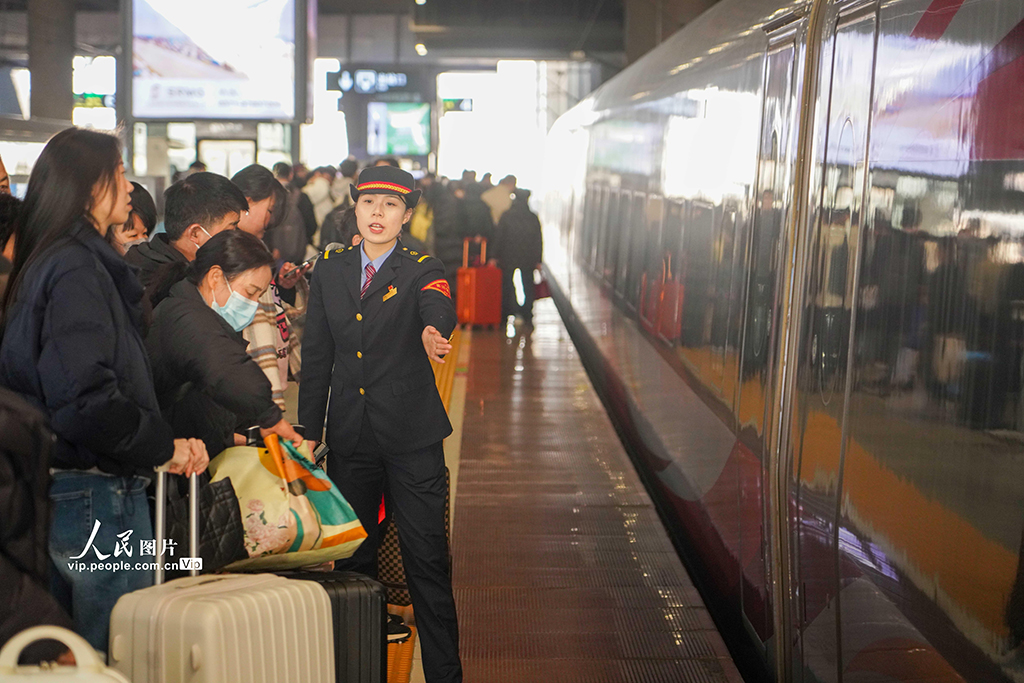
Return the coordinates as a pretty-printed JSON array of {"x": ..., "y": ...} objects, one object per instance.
[
  {"x": 378, "y": 314},
  {"x": 273, "y": 343}
]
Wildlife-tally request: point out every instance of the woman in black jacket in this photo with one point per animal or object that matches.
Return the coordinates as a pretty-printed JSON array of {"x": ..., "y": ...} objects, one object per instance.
[
  {"x": 71, "y": 345},
  {"x": 207, "y": 385}
]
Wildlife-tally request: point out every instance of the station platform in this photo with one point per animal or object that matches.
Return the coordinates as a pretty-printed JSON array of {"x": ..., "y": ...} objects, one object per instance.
[{"x": 562, "y": 569}]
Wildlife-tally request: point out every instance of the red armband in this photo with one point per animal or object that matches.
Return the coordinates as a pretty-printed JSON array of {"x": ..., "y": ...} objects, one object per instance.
[{"x": 439, "y": 286}]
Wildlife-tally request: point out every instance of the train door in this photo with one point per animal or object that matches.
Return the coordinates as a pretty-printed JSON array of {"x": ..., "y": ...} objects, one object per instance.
[
  {"x": 771, "y": 211},
  {"x": 823, "y": 380}
]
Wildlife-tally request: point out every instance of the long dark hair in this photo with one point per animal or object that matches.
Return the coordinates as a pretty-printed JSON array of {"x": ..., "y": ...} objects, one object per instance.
[
  {"x": 234, "y": 251},
  {"x": 257, "y": 183},
  {"x": 60, "y": 194}
]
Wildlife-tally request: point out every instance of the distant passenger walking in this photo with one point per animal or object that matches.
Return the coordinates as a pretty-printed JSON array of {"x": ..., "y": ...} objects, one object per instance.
[
  {"x": 290, "y": 237},
  {"x": 499, "y": 197},
  {"x": 378, "y": 313},
  {"x": 518, "y": 245}
]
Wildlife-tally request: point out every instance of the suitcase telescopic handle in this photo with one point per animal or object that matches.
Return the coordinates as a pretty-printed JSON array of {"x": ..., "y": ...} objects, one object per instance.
[
  {"x": 465, "y": 251},
  {"x": 160, "y": 523}
]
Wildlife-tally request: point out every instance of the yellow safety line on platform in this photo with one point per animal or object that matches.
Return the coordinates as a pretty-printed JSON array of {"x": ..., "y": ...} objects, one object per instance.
[
  {"x": 400, "y": 655},
  {"x": 444, "y": 373}
]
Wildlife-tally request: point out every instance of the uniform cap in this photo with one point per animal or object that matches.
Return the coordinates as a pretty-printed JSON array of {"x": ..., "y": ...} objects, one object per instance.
[{"x": 386, "y": 180}]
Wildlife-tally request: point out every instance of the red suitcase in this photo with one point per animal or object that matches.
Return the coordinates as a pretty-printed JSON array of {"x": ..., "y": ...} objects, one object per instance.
[{"x": 478, "y": 290}]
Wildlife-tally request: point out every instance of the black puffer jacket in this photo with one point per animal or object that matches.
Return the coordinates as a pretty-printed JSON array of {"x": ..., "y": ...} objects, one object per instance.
[
  {"x": 24, "y": 509},
  {"x": 73, "y": 348},
  {"x": 207, "y": 384},
  {"x": 153, "y": 255}
]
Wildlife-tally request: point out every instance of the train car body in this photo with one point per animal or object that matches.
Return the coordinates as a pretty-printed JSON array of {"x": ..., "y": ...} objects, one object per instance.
[{"x": 789, "y": 243}]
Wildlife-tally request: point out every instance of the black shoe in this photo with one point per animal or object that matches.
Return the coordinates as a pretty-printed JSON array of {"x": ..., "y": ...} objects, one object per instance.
[{"x": 398, "y": 632}]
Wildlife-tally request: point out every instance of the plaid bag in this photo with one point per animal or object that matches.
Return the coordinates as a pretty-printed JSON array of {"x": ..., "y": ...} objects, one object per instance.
[{"x": 390, "y": 571}]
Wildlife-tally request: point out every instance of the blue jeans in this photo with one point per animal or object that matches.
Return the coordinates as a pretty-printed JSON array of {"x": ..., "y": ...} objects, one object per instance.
[{"x": 89, "y": 584}]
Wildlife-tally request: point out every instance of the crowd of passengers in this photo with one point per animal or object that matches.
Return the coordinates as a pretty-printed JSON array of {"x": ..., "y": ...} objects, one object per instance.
[{"x": 147, "y": 345}]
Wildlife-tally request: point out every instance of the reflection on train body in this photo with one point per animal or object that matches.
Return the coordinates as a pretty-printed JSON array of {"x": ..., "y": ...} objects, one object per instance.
[{"x": 856, "y": 249}]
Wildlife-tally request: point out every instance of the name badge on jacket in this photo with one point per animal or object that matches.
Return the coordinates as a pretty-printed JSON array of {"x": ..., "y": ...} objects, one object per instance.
[{"x": 391, "y": 292}]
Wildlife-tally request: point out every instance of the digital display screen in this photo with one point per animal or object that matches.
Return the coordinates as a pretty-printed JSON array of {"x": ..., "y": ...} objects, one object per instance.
[
  {"x": 398, "y": 128},
  {"x": 226, "y": 59}
]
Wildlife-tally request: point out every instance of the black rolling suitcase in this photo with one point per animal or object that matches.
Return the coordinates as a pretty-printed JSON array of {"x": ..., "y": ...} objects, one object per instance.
[{"x": 359, "y": 612}]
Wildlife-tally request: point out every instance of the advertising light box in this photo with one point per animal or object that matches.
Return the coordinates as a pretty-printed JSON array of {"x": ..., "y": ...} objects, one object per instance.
[
  {"x": 398, "y": 128},
  {"x": 225, "y": 59}
]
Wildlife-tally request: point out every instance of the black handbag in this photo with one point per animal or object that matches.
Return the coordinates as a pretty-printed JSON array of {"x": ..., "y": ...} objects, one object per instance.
[{"x": 221, "y": 536}]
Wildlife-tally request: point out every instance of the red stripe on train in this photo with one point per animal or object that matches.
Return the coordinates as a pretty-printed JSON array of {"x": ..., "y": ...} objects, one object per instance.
[
  {"x": 936, "y": 19},
  {"x": 999, "y": 131}
]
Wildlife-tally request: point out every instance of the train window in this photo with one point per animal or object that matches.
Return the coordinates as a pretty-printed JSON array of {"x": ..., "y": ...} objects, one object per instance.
[
  {"x": 730, "y": 268},
  {"x": 608, "y": 223},
  {"x": 670, "y": 312},
  {"x": 653, "y": 266},
  {"x": 585, "y": 230},
  {"x": 638, "y": 236},
  {"x": 698, "y": 243},
  {"x": 616, "y": 224},
  {"x": 600, "y": 224},
  {"x": 622, "y": 257}
]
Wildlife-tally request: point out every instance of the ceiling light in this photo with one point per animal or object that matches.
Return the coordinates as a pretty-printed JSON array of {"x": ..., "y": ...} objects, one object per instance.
[{"x": 421, "y": 49}]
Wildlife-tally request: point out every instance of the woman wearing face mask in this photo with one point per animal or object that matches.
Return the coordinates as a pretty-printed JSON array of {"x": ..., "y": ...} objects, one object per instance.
[
  {"x": 71, "y": 345},
  {"x": 207, "y": 385},
  {"x": 140, "y": 224}
]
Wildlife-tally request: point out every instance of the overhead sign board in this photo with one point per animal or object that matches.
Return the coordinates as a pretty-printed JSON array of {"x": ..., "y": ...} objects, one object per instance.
[
  {"x": 398, "y": 128},
  {"x": 228, "y": 59},
  {"x": 369, "y": 81}
]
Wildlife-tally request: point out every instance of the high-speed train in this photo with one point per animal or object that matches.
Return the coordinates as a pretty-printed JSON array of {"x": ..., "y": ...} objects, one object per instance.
[{"x": 789, "y": 244}]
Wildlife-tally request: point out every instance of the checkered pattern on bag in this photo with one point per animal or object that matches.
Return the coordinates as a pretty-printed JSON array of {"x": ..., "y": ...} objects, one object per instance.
[{"x": 390, "y": 570}]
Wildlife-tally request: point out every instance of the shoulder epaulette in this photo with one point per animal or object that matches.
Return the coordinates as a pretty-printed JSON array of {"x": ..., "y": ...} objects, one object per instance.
[
  {"x": 415, "y": 255},
  {"x": 327, "y": 254}
]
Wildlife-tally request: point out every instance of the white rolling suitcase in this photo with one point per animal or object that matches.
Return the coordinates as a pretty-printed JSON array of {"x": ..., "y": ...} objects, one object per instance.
[{"x": 222, "y": 628}]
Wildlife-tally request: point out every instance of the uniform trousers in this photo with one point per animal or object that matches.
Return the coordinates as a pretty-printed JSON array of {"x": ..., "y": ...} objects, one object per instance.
[{"x": 415, "y": 489}]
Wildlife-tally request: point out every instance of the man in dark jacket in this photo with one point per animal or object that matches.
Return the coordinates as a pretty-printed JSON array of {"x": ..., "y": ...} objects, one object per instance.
[
  {"x": 195, "y": 209},
  {"x": 378, "y": 313},
  {"x": 518, "y": 245}
]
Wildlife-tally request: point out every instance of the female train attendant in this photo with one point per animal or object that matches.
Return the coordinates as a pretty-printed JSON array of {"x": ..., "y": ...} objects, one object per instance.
[{"x": 71, "y": 344}]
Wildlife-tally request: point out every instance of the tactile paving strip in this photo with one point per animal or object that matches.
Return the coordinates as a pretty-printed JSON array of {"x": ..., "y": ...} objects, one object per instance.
[{"x": 562, "y": 569}]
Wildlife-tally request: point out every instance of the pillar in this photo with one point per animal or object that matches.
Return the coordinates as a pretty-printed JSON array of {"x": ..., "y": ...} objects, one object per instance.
[{"x": 51, "y": 51}]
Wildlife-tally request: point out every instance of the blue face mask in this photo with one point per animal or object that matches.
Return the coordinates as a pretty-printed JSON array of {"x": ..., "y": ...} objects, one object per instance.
[{"x": 239, "y": 312}]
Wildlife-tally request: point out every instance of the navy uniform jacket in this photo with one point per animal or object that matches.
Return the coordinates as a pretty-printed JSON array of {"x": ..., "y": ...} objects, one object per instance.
[{"x": 369, "y": 352}]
